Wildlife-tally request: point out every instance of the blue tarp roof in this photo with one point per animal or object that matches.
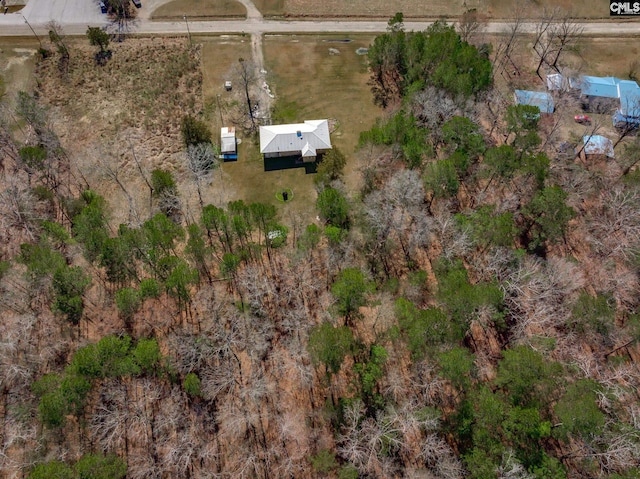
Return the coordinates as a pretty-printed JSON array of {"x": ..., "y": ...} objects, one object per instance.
[
  {"x": 600, "y": 86},
  {"x": 629, "y": 92},
  {"x": 541, "y": 99},
  {"x": 597, "y": 145}
]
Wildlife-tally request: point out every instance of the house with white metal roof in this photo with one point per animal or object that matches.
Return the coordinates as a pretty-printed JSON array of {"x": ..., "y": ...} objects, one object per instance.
[{"x": 306, "y": 140}]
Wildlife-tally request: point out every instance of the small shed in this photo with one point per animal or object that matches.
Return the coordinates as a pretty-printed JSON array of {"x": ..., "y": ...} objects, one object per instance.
[
  {"x": 597, "y": 145},
  {"x": 541, "y": 99},
  {"x": 557, "y": 82},
  {"x": 228, "y": 143},
  {"x": 227, "y": 85}
]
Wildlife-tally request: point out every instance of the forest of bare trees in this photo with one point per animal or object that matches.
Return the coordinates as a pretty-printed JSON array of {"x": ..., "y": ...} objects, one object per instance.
[{"x": 470, "y": 310}]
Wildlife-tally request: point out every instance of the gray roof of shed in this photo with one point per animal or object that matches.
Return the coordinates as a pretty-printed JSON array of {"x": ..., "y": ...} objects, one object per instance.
[
  {"x": 227, "y": 140},
  {"x": 598, "y": 145},
  {"x": 308, "y": 136}
]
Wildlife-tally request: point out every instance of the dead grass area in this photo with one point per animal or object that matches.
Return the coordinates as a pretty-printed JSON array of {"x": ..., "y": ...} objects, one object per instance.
[
  {"x": 590, "y": 9},
  {"x": 17, "y": 61},
  {"x": 149, "y": 82},
  {"x": 199, "y": 10},
  {"x": 607, "y": 56},
  {"x": 378, "y": 8},
  {"x": 134, "y": 103},
  {"x": 494, "y": 9}
]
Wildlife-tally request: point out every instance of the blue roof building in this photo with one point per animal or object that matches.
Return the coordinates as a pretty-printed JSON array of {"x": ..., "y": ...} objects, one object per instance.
[
  {"x": 543, "y": 100},
  {"x": 606, "y": 87},
  {"x": 629, "y": 93}
]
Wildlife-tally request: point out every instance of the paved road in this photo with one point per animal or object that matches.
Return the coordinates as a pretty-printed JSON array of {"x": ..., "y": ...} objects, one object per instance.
[{"x": 76, "y": 15}]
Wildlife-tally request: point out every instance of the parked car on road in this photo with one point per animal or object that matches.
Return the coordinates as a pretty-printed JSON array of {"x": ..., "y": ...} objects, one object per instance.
[
  {"x": 137, "y": 3},
  {"x": 582, "y": 119},
  {"x": 103, "y": 7}
]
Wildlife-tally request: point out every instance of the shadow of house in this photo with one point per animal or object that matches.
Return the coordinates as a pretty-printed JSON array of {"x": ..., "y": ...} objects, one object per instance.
[
  {"x": 294, "y": 145},
  {"x": 289, "y": 162}
]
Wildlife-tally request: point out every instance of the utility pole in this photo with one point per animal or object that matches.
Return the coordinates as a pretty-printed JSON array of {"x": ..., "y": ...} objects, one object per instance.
[
  {"x": 34, "y": 32},
  {"x": 188, "y": 31},
  {"x": 219, "y": 109}
]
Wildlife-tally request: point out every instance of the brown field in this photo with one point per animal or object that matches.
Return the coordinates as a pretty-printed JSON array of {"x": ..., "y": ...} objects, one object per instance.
[
  {"x": 420, "y": 9},
  {"x": 200, "y": 9},
  {"x": 592, "y": 9},
  {"x": 607, "y": 56},
  {"x": 16, "y": 65}
]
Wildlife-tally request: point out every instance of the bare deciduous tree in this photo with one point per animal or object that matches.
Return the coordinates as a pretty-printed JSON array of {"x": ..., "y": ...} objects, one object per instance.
[
  {"x": 433, "y": 107},
  {"x": 396, "y": 214},
  {"x": 202, "y": 160},
  {"x": 503, "y": 62},
  {"x": 245, "y": 72},
  {"x": 555, "y": 31},
  {"x": 511, "y": 468},
  {"x": 469, "y": 25},
  {"x": 18, "y": 211}
]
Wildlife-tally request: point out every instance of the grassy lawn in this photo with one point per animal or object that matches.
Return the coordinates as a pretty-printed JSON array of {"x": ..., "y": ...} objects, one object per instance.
[
  {"x": 309, "y": 83},
  {"x": 603, "y": 56},
  {"x": 270, "y": 8},
  {"x": 199, "y": 9}
]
